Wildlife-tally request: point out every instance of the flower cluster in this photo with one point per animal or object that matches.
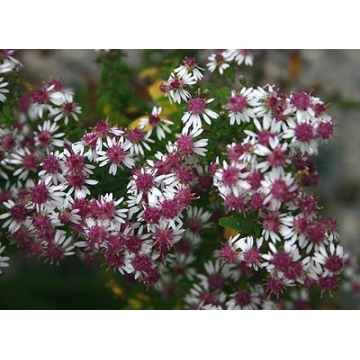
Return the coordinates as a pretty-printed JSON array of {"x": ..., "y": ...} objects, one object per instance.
[{"x": 154, "y": 199}]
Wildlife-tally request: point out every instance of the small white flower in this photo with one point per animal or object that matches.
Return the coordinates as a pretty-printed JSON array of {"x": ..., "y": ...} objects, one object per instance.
[
  {"x": 157, "y": 122},
  {"x": 197, "y": 111},
  {"x": 219, "y": 60}
]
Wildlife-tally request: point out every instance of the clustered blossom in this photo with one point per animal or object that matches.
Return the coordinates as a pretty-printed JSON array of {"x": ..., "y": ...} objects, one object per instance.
[
  {"x": 153, "y": 217},
  {"x": 222, "y": 59},
  {"x": 257, "y": 177}
]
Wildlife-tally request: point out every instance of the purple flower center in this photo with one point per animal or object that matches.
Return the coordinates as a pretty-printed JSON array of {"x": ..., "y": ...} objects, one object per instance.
[
  {"x": 116, "y": 154},
  {"x": 144, "y": 182},
  {"x": 334, "y": 264},
  {"x": 39, "y": 194},
  {"x": 197, "y": 106},
  {"x": 51, "y": 164},
  {"x": 304, "y": 132},
  {"x": 237, "y": 103}
]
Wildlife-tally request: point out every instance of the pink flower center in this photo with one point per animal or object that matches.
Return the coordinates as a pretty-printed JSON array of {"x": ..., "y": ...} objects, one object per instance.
[
  {"x": 51, "y": 164},
  {"x": 272, "y": 222},
  {"x": 135, "y": 136},
  {"x": 300, "y": 101},
  {"x": 237, "y": 103},
  {"x": 40, "y": 96},
  {"x": 144, "y": 182},
  {"x": 116, "y": 154},
  {"x": 18, "y": 212},
  {"x": 304, "y": 132},
  {"x": 277, "y": 157},
  {"x": 30, "y": 162},
  {"x": 230, "y": 176},
  {"x": 216, "y": 281},
  {"x": 334, "y": 263},
  {"x": 243, "y": 298},
  {"x": 154, "y": 120},
  {"x": 279, "y": 190},
  {"x": 39, "y": 194},
  {"x": 252, "y": 256},
  {"x": 44, "y": 138},
  {"x": 196, "y": 106},
  {"x": 185, "y": 144}
]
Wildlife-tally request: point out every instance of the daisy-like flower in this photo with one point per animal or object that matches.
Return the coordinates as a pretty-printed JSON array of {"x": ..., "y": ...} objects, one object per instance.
[
  {"x": 3, "y": 89},
  {"x": 47, "y": 137},
  {"x": 106, "y": 210},
  {"x": 284, "y": 263},
  {"x": 201, "y": 296},
  {"x": 186, "y": 144},
  {"x": 45, "y": 197},
  {"x": 271, "y": 106},
  {"x": 219, "y": 60},
  {"x": 145, "y": 186},
  {"x": 17, "y": 216},
  {"x": 190, "y": 66},
  {"x": 247, "y": 250},
  {"x": 245, "y": 299},
  {"x": 332, "y": 258},
  {"x": 67, "y": 109},
  {"x": 276, "y": 155},
  {"x": 217, "y": 274},
  {"x": 138, "y": 140},
  {"x": 232, "y": 179},
  {"x": 294, "y": 229},
  {"x": 197, "y": 111},
  {"x": 52, "y": 169},
  {"x": 175, "y": 87},
  {"x": 241, "y": 56},
  {"x": 157, "y": 122},
  {"x": 24, "y": 160},
  {"x": 3, "y": 259},
  {"x": 272, "y": 223},
  {"x": 60, "y": 247},
  {"x": 197, "y": 220},
  {"x": 240, "y": 106},
  {"x": 116, "y": 154},
  {"x": 165, "y": 235},
  {"x": 278, "y": 187}
]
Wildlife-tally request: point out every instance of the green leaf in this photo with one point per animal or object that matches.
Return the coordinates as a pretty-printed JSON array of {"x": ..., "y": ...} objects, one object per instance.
[{"x": 245, "y": 225}]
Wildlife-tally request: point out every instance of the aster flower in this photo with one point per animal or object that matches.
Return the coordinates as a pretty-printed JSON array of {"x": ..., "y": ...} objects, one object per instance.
[
  {"x": 47, "y": 137},
  {"x": 302, "y": 136},
  {"x": 67, "y": 109},
  {"x": 247, "y": 250},
  {"x": 138, "y": 140},
  {"x": 332, "y": 259},
  {"x": 3, "y": 259},
  {"x": 157, "y": 122},
  {"x": 284, "y": 263},
  {"x": 17, "y": 216},
  {"x": 60, "y": 247},
  {"x": 197, "y": 111},
  {"x": 240, "y": 56},
  {"x": 186, "y": 145},
  {"x": 219, "y": 60},
  {"x": 276, "y": 154},
  {"x": 3, "y": 89},
  {"x": 190, "y": 67},
  {"x": 175, "y": 87},
  {"x": 278, "y": 187},
  {"x": 197, "y": 220},
  {"x": 244, "y": 299},
  {"x": 240, "y": 106},
  {"x": 25, "y": 161},
  {"x": 116, "y": 154}
]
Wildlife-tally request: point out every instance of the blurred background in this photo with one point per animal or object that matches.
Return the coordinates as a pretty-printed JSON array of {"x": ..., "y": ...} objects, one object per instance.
[{"x": 332, "y": 75}]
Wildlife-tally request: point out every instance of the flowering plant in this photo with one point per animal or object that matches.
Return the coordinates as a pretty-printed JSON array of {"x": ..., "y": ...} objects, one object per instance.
[{"x": 200, "y": 192}]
